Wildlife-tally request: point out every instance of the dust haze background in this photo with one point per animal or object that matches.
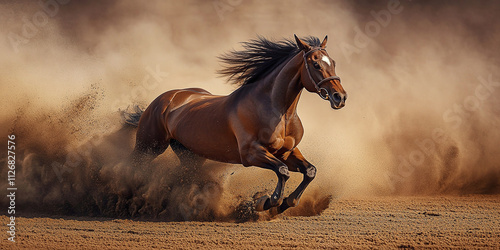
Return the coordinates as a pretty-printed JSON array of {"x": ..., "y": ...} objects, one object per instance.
[{"x": 61, "y": 89}]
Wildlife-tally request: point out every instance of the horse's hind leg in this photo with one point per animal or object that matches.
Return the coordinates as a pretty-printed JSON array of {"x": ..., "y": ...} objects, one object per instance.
[
  {"x": 143, "y": 155},
  {"x": 186, "y": 156},
  {"x": 188, "y": 171},
  {"x": 151, "y": 140}
]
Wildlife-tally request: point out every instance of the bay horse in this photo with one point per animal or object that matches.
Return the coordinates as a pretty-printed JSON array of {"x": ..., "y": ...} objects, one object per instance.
[{"x": 257, "y": 124}]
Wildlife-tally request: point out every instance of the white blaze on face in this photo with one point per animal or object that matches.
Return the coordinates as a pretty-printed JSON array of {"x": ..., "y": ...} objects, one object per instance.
[{"x": 327, "y": 60}]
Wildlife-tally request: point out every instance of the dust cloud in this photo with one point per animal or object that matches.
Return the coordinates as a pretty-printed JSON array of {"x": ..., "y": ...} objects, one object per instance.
[{"x": 422, "y": 116}]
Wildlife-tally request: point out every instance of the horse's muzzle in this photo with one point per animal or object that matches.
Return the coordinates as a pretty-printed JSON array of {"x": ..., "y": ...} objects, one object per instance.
[{"x": 337, "y": 100}]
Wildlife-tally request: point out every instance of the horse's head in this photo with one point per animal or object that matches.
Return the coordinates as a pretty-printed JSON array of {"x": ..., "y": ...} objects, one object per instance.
[{"x": 318, "y": 74}]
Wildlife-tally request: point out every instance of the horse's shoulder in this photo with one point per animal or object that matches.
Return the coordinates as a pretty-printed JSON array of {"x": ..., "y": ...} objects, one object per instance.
[{"x": 294, "y": 127}]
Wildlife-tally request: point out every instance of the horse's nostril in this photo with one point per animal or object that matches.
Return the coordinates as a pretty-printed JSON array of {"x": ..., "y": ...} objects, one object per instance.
[{"x": 336, "y": 97}]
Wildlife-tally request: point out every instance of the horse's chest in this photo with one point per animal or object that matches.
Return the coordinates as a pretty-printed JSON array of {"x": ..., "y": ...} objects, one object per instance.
[
  {"x": 280, "y": 141},
  {"x": 281, "y": 145}
]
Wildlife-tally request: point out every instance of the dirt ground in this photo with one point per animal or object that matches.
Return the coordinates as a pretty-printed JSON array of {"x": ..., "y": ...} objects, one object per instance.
[{"x": 373, "y": 222}]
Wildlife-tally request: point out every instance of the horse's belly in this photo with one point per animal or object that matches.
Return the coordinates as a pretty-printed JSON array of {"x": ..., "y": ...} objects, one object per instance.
[
  {"x": 204, "y": 130},
  {"x": 209, "y": 143}
]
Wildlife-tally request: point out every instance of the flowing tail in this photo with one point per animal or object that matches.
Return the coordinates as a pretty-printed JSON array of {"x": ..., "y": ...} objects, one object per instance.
[{"x": 132, "y": 118}]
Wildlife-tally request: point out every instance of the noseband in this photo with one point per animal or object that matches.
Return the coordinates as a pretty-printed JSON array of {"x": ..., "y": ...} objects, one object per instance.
[{"x": 319, "y": 89}]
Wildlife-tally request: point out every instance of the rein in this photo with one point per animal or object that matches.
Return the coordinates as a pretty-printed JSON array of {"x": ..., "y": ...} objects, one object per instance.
[{"x": 319, "y": 89}]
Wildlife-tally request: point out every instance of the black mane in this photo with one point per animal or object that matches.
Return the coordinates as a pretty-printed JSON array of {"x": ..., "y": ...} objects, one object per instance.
[{"x": 259, "y": 57}]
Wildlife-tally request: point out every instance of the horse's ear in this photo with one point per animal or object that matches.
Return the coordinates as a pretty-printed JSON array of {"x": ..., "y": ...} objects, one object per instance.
[
  {"x": 323, "y": 44},
  {"x": 302, "y": 45}
]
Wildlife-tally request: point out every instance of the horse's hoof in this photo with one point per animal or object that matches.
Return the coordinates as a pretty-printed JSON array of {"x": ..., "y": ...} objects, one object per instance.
[{"x": 259, "y": 205}]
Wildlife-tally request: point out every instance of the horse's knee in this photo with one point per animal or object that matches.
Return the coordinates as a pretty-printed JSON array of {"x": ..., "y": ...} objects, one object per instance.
[
  {"x": 283, "y": 173},
  {"x": 310, "y": 173}
]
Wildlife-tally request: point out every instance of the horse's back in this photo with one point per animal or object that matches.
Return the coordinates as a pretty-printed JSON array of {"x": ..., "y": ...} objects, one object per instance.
[
  {"x": 176, "y": 97},
  {"x": 195, "y": 91},
  {"x": 152, "y": 123}
]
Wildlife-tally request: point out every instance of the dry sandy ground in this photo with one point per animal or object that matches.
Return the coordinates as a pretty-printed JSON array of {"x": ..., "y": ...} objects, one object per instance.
[{"x": 380, "y": 222}]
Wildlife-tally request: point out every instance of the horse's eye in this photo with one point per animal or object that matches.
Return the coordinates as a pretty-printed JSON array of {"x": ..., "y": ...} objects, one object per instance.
[{"x": 316, "y": 65}]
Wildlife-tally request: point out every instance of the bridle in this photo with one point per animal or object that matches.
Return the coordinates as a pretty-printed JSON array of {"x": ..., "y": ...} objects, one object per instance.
[{"x": 319, "y": 89}]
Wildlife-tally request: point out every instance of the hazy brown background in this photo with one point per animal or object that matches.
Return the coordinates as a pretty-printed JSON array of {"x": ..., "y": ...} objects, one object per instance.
[{"x": 63, "y": 86}]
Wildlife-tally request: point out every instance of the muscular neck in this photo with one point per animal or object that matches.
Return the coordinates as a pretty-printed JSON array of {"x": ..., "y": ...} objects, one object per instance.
[{"x": 284, "y": 87}]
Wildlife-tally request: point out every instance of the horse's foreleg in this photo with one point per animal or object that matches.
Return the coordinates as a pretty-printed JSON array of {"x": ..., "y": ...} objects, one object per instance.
[
  {"x": 297, "y": 162},
  {"x": 258, "y": 156}
]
